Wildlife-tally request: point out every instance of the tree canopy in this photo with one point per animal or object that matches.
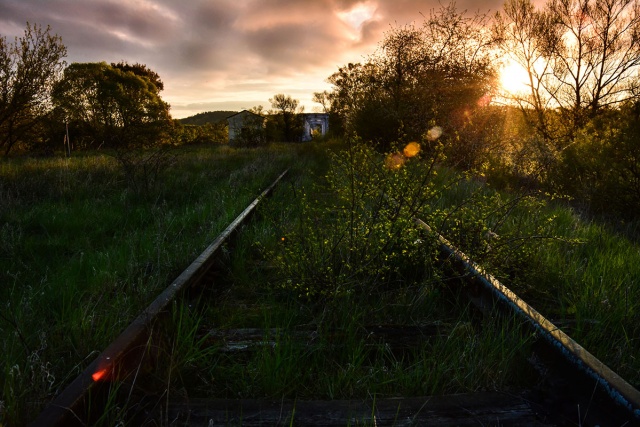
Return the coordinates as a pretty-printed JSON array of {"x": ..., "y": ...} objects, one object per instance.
[
  {"x": 288, "y": 126},
  {"x": 29, "y": 67},
  {"x": 419, "y": 75},
  {"x": 108, "y": 105},
  {"x": 142, "y": 71}
]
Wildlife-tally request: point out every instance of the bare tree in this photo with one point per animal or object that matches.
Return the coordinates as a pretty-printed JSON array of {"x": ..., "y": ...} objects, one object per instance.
[
  {"x": 521, "y": 29},
  {"x": 28, "y": 69},
  {"x": 580, "y": 55}
]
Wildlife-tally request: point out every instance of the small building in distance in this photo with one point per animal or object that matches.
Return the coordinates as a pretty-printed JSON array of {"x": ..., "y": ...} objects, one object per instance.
[
  {"x": 246, "y": 128},
  {"x": 315, "y": 124}
]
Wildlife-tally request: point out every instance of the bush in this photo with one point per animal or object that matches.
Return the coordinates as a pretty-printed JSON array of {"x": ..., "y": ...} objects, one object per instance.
[
  {"x": 360, "y": 235},
  {"x": 200, "y": 134},
  {"x": 601, "y": 168}
]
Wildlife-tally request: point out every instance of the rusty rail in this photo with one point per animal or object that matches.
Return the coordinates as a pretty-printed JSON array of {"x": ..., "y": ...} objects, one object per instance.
[
  {"x": 81, "y": 399},
  {"x": 123, "y": 356},
  {"x": 619, "y": 390}
]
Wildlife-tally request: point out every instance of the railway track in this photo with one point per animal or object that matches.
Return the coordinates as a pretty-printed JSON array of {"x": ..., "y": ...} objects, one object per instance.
[{"x": 573, "y": 388}]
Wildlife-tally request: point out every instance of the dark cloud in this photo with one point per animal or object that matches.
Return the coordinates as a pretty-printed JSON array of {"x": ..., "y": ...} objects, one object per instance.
[
  {"x": 212, "y": 53},
  {"x": 292, "y": 46}
]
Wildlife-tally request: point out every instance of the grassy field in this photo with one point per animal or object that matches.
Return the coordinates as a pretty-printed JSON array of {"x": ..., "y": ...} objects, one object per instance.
[
  {"x": 331, "y": 253},
  {"x": 83, "y": 251}
]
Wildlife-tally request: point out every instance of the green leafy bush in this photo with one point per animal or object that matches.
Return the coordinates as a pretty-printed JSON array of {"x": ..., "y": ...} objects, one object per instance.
[
  {"x": 356, "y": 232},
  {"x": 601, "y": 169}
]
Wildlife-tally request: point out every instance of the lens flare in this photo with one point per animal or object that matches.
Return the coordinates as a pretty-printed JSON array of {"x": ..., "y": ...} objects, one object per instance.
[
  {"x": 99, "y": 375},
  {"x": 412, "y": 149},
  {"x": 434, "y": 133},
  {"x": 394, "y": 161}
]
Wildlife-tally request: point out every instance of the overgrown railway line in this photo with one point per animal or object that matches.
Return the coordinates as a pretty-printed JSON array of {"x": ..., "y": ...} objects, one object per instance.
[{"x": 574, "y": 388}]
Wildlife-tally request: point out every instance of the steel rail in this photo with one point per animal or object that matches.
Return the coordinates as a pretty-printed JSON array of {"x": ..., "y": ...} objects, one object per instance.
[
  {"x": 73, "y": 406},
  {"x": 619, "y": 390}
]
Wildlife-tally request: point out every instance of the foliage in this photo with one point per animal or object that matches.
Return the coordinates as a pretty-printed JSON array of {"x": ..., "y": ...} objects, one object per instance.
[
  {"x": 285, "y": 123},
  {"x": 323, "y": 98},
  {"x": 142, "y": 71},
  {"x": 106, "y": 106},
  {"x": 29, "y": 67},
  {"x": 362, "y": 237},
  {"x": 419, "y": 76},
  {"x": 601, "y": 169},
  {"x": 207, "y": 133}
]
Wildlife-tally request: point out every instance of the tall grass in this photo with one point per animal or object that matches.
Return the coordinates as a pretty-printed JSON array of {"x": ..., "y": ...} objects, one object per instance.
[
  {"x": 594, "y": 289},
  {"x": 581, "y": 273},
  {"x": 83, "y": 252},
  {"x": 317, "y": 344},
  {"x": 325, "y": 258}
]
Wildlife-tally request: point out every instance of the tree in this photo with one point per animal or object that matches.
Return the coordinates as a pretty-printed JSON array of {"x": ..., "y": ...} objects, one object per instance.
[
  {"x": 351, "y": 83},
  {"x": 107, "y": 105},
  {"x": 582, "y": 56},
  {"x": 520, "y": 30},
  {"x": 287, "y": 112},
  {"x": 323, "y": 98},
  {"x": 29, "y": 67},
  {"x": 142, "y": 71},
  {"x": 419, "y": 76}
]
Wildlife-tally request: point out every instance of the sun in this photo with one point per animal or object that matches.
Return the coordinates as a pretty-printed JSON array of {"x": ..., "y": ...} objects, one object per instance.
[{"x": 514, "y": 78}]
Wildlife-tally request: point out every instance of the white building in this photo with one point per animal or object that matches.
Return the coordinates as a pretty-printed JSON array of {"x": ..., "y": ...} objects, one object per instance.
[
  {"x": 245, "y": 124},
  {"x": 315, "y": 124}
]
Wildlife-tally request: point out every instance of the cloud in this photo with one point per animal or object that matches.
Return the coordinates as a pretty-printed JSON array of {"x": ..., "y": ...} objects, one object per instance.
[{"x": 209, "y": 52}]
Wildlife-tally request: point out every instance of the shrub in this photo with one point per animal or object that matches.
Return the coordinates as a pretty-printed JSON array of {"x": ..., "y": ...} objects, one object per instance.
[
  {"x": 601, "y": 168},
  {"x": 360, "y": 235}
]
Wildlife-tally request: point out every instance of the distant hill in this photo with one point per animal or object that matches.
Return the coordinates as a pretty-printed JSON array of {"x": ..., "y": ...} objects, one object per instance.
[{"x": 207, "y": 117}]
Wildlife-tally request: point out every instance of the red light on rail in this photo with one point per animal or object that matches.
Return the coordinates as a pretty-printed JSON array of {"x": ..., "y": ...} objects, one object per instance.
[{"x": 98, "y": 375}]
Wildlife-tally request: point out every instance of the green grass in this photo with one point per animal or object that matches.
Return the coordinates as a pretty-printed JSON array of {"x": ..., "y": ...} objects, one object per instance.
[
  {"x": 82, "y": 252},
  {"x": 581, "y": 273},
  {"x": 318, "y": 347}
]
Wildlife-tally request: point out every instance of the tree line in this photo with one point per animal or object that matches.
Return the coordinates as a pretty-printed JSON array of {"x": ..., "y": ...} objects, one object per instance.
[
  {"x": 572, "y": 130},
  {"x": 116, "y": 105}
]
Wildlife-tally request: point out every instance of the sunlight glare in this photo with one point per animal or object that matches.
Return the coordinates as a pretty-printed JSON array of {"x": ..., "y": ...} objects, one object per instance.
[
  {"x": 514, "y": 78},
  {"x": 358, "y": 15},
  {"x": 434, "y": 133},
  {"x": 394, "y": 161},
  {"x": 99, "y": 375}
]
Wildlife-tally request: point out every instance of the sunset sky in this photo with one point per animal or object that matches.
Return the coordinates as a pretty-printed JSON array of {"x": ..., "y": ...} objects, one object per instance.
[{"x": 224, "y": 54}]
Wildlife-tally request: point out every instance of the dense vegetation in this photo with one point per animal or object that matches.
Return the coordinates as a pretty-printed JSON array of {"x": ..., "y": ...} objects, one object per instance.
[
  {"x": 575, "y": 116},
  {"x": 334, "y": 251},
  {"x": 542, "y": 187},
  {"x": 83, "y": 250}
]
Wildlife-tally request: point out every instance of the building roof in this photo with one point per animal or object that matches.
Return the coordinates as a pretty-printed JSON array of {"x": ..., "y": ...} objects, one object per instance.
[{"x": 244, "y": 111}]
